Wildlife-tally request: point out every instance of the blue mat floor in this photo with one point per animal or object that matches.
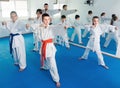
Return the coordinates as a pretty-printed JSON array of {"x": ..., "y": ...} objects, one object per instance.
[{"x": 73, "y": 73}]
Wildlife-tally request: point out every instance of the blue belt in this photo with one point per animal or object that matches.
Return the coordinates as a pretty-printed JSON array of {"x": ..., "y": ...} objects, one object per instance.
[{"x": 11, "y": 40}]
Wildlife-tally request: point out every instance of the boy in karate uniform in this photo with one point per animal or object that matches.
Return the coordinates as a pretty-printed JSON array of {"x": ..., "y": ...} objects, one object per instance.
[
  {"x": 77, "y": 29},
  {"x": 17, "y": 45},
  {"x": 89, "y": 21},
  {"x": 103, "y": 20},
  {"x": 36, "y": 22},
  {"x": 50, "y": 11},
  {"x": 94, "y": 41},
  {"x": 48, "y": 49},
  {"x": 62, "y": 27},
  {"x": 67, "y": 12}
]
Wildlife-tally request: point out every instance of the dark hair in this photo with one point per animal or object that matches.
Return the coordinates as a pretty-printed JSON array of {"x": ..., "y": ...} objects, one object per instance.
[
  {"x": 39, "y": 11},
  {"x": 45, "y": 15},
  {"x": 77, "y": 16},
  {"x": 113, "y": 15},
  {"x": 94, "y": 17},
  {"x": 90, "y": 12},
  {"x": 45, "y": 4},
  {"x": 64, "y": 6},
  {"x": 114, "y": 18},
  {"x": 103, "y": 13},
  {"x": 13, "y": 12},
  {"x": 63, "y": 16}
]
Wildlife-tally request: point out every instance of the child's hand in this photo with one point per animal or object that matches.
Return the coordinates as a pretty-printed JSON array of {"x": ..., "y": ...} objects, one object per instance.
[
  {"x": 27, "y": 26},
  {"x": 4, "y": 23},
  {"x": 65, "y": 27},
  {"x": 59, "y": 9},
  {"x": 116, "y": 28},
  {"x": 73, "y": 27},
  {"x": 30, "y": 19}
]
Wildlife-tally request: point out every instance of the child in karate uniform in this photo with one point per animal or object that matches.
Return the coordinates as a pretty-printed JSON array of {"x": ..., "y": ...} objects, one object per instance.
[
  {"x": 51, "y": 12},
  {"x": 89, "y": 21},
  {"x": 94, "y": 41},
  {"x": 48, "y": 50},
  {"x": 77, "y": 29},
  {"x": 17, "y": 45},
  {"x": 103, "y": 21},
  {"x": 67, "y": 12},
  {"x": 113, "y": 35},
  {"x": 36, "y": 22},
  {"x": 63, "y": 26}
]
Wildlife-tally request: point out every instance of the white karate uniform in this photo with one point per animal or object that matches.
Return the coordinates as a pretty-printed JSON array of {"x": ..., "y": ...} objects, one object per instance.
[
  {"x": 89, "y": 21},
  {"x": 49, "y": 63},
  {"x": 67, "y": 13},
  {"x": 18, "y": 45},
  {"x": 117, "y": 37},
  {"x": 77, "y": 30},
  {"x": 63, "y": 37},
  {"x": 51, "y": 13},
  {"x": 94, "y": 42},
  {"x": 113, "y": 35},
  {"x": 118, "y": 49},
  {"x": 103, "y": 20},
  {"x": 35, "y": 26}
]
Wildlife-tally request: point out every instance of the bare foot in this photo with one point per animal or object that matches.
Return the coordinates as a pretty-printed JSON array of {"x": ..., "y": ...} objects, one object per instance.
[
  {"x": 16, "y": 64},
  {"x": 81, "y": 58},
  {"x": 106, "y": 67},
  {"x": 42, "y": 68},
  {"x": 58, "y": 84},
  {"x": 81, "y": 43},
  {"x": 21, "y": 69}
]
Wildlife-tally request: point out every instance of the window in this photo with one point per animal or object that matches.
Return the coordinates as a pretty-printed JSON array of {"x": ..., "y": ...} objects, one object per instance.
[{"x": 20, "y": 6}]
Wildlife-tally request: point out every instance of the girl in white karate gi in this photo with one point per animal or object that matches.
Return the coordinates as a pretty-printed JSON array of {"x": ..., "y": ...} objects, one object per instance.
[
  {"x": 48, "y": 49},
  {"x": 77, "y": 29},
  {"x": 111, "y": 34},
  {"x": 17, "y": 45},
  {"x": 94, "y": 41}
]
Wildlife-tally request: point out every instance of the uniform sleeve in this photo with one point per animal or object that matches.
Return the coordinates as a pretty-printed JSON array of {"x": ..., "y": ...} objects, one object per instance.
[
  {"x": 8, "y": 26},
  {"x": 22, "y": 27},
  {"x": 35, "y": 26},
  {"x": 71, "y": 11},
  {"x": 67, "y": 12},
  {"x": 58, "y": 30},
  {"x": 107, "y": 28},
  {"x": 88, "y": 27},
  {"x": 39, "y": 33},
  {"x": 53, "y": 12}
]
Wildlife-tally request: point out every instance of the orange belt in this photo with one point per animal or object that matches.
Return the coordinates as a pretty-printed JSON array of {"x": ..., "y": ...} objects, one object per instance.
[{"x": 43, "y": 50}]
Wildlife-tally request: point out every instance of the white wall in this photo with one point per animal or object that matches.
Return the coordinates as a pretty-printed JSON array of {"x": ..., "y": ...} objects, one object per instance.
[{"x": 108, "y": 6}]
